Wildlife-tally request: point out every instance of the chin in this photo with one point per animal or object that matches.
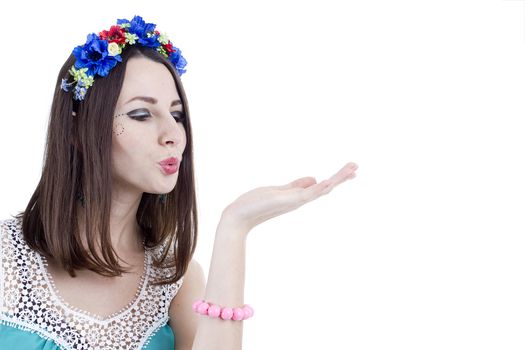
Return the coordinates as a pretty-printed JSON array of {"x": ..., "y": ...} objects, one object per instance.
[{"x": 164, "y": 190}]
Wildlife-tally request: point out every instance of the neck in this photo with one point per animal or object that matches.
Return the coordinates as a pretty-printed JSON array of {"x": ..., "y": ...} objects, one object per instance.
[{"x": 126, "y": 237}]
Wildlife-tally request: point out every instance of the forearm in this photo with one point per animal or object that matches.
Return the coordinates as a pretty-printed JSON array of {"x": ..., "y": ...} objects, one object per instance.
[{"x": 225, "y": 287}]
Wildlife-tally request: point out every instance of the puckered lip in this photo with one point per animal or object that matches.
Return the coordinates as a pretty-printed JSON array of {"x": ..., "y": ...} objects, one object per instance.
[{"x": 170, "y": 161}]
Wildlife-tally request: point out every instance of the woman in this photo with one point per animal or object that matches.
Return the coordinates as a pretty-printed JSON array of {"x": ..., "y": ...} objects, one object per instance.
[{"x": 102, "y": 256}]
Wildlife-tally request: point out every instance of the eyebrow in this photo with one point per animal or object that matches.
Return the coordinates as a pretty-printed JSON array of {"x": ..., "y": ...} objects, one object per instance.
[{"x": 153, "y": 100}]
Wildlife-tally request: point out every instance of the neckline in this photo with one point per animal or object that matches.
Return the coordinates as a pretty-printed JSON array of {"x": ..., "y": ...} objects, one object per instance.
[{"x": 57, "y": 298}]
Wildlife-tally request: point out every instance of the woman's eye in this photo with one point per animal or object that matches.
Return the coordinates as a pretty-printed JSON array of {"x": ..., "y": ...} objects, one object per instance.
[
  {"x": 140, "y": 114},
  {"x": 179, "y": 116}
]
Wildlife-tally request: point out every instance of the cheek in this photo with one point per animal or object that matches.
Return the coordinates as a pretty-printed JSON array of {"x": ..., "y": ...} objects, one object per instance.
[
  {"x": 120, "y": 154},
  {"x": 129, "y": 146},
  {"x": 118, "y": 128},
  {"x": 124, "y": 130},
  {"x": 118, "y": 125}
]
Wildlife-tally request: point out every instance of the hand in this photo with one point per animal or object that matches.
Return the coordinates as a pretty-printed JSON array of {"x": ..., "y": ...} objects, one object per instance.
[{"x": 263, "y": 203}]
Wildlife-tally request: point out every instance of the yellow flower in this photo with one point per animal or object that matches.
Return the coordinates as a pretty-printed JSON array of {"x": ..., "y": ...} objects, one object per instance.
[
  {"x": 114, "y": 49},
  {"x": 131, "y": 38},
  {"x": 163, "y": 39}
]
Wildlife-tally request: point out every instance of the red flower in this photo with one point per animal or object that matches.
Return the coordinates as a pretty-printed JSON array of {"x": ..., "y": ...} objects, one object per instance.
[
  {"x": 114, "y": 35},
  {"x": 169, "y": 48}
]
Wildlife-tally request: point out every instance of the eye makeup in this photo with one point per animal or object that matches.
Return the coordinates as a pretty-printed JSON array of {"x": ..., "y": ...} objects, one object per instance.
[{"x": 142, "y": 114}]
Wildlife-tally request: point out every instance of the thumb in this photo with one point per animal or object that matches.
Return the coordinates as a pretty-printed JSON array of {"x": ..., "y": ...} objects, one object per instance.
[{"x": 302, "y": 182}]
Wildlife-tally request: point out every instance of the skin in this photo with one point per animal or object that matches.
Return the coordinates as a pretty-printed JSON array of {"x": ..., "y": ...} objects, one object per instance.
[
  {"x": 137, "y": 148},
  {"x": 138, "y": 145}
]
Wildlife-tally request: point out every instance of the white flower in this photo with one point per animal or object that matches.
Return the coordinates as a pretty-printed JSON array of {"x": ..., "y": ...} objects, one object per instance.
[
  {"x": 163, "y": 39},
  {"x": 131, "y": 38},
  {"x": 114, "y": 49}
]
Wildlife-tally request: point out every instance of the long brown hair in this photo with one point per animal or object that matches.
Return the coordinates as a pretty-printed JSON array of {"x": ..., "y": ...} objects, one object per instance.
[{"x": 77, "y": 160}]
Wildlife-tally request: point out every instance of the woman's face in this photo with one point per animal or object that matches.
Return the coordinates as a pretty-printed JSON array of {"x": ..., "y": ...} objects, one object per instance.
[{"x": 151, "y": 133}]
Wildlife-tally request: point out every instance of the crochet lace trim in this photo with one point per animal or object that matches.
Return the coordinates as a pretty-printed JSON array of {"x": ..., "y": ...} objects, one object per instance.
[{"x": 29, "y": 301}]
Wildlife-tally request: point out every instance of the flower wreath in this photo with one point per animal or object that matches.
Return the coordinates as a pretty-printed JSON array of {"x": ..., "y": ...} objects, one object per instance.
[{"x": 101, "y": 52}]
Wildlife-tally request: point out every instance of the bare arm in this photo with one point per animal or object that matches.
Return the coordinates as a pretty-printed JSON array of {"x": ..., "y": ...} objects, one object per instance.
[
  {"x": 183, "y": 320},
  {"x": 225, "y": 285}
]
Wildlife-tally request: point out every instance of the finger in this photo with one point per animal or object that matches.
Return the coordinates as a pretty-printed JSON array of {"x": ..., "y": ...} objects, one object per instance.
[
  {"x": 345, "y": 173},
  {"x": 314, "y": 191},
  {"x": 336, "y": 182},
  {"x": 302, "y": 182}
]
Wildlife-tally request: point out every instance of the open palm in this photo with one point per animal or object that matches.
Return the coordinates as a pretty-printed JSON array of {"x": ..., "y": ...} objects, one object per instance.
[{"x": 263, "y": 203}]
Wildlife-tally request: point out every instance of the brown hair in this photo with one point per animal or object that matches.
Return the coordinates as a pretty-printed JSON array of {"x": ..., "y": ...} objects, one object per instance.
[{"x": 77, "y": 160}]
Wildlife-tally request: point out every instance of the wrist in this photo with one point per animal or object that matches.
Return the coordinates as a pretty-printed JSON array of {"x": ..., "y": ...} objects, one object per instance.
[{"x": 230, "y": 226}]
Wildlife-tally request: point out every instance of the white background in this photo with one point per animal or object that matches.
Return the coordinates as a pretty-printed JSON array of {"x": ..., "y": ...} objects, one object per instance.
[{"x": 424, "y": 249}]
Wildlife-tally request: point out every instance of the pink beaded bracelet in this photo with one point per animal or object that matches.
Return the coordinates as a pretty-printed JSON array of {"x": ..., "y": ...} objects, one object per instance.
[{"x": 226, "y": 313}]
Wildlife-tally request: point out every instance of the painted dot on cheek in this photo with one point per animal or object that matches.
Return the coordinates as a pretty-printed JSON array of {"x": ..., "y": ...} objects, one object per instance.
[{"x": 119, "y": 129}]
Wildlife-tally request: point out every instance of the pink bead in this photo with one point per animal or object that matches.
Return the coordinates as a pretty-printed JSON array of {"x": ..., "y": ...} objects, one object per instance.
[
  {"x": 226, "y": 313},
  {"x": 248, "y": 311},
  {"x": 203, "y": 308},
  {"x": 196, "y": 304},
  {"x": 238, "y": 314},
  {"x": 214, "y": 311}
]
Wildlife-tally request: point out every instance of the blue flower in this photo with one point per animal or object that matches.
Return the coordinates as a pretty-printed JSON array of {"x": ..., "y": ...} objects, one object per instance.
[
  {"x": 150, "y": 41},
  {"x": 94, "y": 56},
  {"x": 80, "y": 93},
  {"x": 145, "y": 31},
  {"x": 65, "y": 85},
  {"x": 178, "y": 61}
]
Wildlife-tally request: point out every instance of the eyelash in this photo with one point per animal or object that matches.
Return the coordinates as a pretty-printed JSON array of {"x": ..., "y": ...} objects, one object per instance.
[{"x": 136, "y": 114}]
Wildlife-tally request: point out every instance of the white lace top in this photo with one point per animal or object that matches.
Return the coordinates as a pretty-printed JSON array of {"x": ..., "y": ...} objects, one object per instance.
[{"x": 29, "y": 301}]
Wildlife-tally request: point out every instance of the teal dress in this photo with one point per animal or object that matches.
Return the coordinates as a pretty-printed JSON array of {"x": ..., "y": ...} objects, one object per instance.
[{"x": 33, "y": 316}]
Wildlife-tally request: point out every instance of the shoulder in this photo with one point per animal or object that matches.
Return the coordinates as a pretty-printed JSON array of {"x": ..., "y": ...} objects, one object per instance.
[
  {"x": 193, "y": 287},
  {"x": 183, "y": 320},
  {"x": 15, "y": 256},
  {"x": 194, "y": 271},
  {"x": 7, "y": 224},
  {"x": 10, "y": 229}
]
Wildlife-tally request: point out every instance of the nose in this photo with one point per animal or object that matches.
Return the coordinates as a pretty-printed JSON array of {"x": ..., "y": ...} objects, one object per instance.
[{"x": 172, "y": 133}]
